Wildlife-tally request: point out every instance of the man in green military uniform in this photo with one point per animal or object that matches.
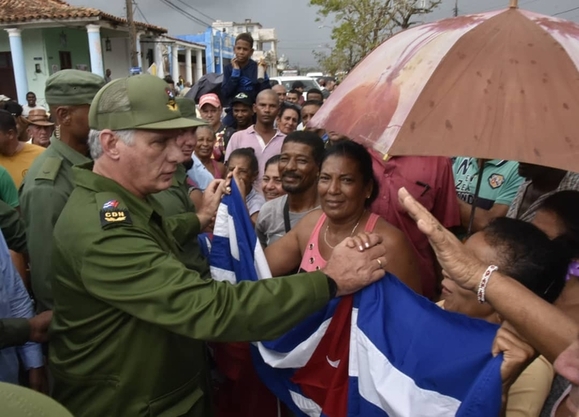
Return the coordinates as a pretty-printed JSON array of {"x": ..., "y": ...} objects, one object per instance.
[
  {"x": 129, "y": 317},
  {"x": 49, "y": 181},
  {"x": 175, "y": 199}
]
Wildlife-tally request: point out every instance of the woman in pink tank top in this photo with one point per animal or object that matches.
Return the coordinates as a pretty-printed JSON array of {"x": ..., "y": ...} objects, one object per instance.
[
  {"x": 204, "y": 151},
  {"x": 346, "y": 188}
]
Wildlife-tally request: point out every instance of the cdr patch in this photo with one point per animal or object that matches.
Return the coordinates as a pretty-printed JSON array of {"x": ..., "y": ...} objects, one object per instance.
[{"x": 115, "y": 217}]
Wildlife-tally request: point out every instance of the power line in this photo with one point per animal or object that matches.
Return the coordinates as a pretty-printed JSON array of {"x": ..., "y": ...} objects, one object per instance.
[
  {"x": 141, "y": 12},
  {"x": 185, "y": 13},
  {"x": 197, "y": 10},
  {"x": 566, "y": 11}
]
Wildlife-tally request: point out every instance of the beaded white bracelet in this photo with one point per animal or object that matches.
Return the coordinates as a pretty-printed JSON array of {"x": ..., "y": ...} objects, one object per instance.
[{"x": 483, "y": 283}]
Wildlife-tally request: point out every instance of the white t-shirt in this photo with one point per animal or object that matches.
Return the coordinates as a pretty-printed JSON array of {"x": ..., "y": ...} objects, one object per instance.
[{"x": 26, "y": 109}]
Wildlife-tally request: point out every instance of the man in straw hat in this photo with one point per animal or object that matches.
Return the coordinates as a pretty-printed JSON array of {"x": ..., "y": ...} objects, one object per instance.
[
  {"x": 49, "y": 181},
  {"x": 129, "y": 317},
  {"x": 39, "y": 127}
]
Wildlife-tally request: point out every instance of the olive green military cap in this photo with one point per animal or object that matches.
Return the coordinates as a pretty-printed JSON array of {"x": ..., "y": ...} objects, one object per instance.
[
  {"x": 187, "y": 109},
  {"x": 138, "y": 102},
  {"x": 23, "y": 402},
  {"x": 72, "y": 87}
]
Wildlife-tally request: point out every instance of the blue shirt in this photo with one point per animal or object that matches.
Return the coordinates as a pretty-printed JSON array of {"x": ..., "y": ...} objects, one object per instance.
[
  {"x": 199, "y": 174},
  {"x": 242, "y": 80},
  {"x": 15, "y": 303}
]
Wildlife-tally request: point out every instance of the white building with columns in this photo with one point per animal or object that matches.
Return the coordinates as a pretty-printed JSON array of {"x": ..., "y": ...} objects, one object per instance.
[
  {"x": 265, "y": 40},
  {"x": 40, "y": 37}
]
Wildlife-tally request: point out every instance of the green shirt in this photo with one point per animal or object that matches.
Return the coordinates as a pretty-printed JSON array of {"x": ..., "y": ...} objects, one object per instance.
[
  {"x": 8, "y": 191},
  {"x": 130, "y": 318},
  {"x": 499, "y": 185},
  {"x": 13, "y": 228},
  {"x": 43, "y": 194},
  {"x": 175, "y": 200}
]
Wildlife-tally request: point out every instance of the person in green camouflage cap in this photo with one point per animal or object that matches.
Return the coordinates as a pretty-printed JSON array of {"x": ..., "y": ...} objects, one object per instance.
[
  {"x": 129, "y": 318},
  {"x": 49, "y": 182}
]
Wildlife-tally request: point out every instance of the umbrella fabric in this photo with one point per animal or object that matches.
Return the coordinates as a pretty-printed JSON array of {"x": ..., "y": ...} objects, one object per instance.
[
  {"x": 209, "y": 83},
  {"x": 503, "y": 84}
]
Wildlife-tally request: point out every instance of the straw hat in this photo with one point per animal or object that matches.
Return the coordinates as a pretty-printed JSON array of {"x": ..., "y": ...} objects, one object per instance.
[{"x": 38, "y": 117}]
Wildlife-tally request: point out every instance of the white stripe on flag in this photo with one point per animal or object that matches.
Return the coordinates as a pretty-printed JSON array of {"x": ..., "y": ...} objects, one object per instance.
[
  {"x": 297, "y": 357},
  {"x": 381, "y": 384},
  {"x": 308, "y": 407},
  {"x": 219, "y": 274},
  {"x": 226, "y": 229},
  {"x": 260, "y": 262}
]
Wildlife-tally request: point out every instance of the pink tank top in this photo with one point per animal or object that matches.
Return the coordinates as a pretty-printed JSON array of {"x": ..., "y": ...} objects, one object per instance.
[{"x": 312, "y": 260}]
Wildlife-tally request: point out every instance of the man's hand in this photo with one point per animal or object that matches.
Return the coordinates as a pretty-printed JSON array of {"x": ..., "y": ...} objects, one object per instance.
[
  {"x": 235, "y": 63},
  {"x": 39, "y": 326},
  {"x": 211, "y": 199},
  {"x": 38, "y": 380},
  {"x": 517, "y": 355},
  {"x": 356, "y": 263},
  {"x": 461, "y": 266}
]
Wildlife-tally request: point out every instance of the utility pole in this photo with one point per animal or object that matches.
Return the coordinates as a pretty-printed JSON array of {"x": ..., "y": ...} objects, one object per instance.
[
  {"x": 132, "y": 34},
  {"x": 455, "y": 8}
]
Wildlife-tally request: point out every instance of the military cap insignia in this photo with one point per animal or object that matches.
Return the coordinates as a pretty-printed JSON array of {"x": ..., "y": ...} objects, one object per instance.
[
  {"x": 171, "y": 103},
  {"x": 496, "y": 180}
]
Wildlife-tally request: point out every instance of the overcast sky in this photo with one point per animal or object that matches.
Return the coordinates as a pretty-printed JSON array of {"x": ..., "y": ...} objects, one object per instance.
[{"x": 294, "y": 20}]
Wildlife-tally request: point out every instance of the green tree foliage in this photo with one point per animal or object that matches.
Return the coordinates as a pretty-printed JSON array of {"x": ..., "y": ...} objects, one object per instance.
[{"x": 362, "y": 25}]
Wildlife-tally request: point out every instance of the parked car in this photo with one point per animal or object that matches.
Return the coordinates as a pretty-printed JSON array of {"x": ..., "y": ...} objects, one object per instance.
[{"x": 287, "y": 82}]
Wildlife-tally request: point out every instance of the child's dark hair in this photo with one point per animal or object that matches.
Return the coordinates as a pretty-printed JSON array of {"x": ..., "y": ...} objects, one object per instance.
[
  {"x": 527, "y": 255},
  {"x": 356, "y": 152},
  {"x": 245, "y": 37},
  {"x": 248, "y": 153},
  {"x": 564, "y": 205}
]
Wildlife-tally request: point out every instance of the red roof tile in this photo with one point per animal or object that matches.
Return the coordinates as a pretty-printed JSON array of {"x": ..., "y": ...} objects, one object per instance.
[{"x": 20, "y": 11}]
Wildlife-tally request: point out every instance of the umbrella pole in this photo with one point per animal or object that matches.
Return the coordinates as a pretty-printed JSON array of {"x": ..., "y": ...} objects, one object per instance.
[
  {"x": 481, "y": 164},
  {"x": 514, "y": 4}
]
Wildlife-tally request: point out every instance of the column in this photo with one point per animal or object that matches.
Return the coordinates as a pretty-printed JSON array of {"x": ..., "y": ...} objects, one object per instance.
[
  {"x": 175, "y": 63},
  {"x": 188, "y": 67},
  {"x": 198, "y": 64},
  {"x": 221, "y": 53},
  {"x": 139, "y": 51},
  {"x": 95, "y": 49},
  {"x": 159, "y": 61},
  {"x": 17, "y": 52}
]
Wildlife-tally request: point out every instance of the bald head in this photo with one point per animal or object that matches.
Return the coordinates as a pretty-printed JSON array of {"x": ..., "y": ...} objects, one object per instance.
[
  {"x": 280, "y": 91},
  {"x": 266, "y": 108},
  {"x": 265, "y": 94}
]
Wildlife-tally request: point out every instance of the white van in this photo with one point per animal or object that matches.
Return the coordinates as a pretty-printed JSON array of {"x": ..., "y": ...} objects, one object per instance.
[{"x": 287, "y": 82}]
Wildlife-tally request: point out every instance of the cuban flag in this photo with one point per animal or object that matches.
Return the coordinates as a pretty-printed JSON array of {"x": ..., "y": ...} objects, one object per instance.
[{"x": 384, "y": 351}]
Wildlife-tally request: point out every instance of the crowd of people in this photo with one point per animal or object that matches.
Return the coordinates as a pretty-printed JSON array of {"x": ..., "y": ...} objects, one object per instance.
[{"x": 108, "y": 196}]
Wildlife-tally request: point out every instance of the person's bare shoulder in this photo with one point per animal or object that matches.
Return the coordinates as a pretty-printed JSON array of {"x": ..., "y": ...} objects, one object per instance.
[
  {"x": 391, "y": 235},
  {"x": 305, "y": 226}
]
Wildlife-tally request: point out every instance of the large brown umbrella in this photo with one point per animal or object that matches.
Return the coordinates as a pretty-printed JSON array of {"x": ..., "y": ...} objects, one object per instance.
[{"x": 503, "y": 84}]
